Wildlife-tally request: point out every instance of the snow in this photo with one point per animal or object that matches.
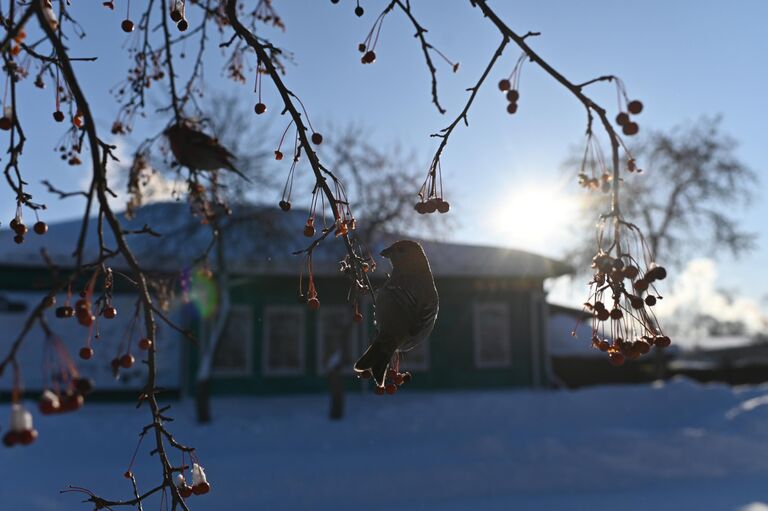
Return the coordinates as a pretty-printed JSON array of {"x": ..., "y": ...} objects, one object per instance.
[{"x": 670, "y": 446}]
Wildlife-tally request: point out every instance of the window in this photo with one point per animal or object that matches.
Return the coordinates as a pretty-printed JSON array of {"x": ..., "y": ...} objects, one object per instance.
[
  {"x": 283, "y": 341},
  {"x": 338, "y": 339},
  {"x": 416, "y": 359},
  {"x": 491, "y": 335},
  {"x": 234, "y": 352}
]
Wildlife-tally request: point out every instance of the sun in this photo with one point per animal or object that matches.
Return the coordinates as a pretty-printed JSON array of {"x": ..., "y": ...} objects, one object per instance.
[{"x": 540, "y": 217}]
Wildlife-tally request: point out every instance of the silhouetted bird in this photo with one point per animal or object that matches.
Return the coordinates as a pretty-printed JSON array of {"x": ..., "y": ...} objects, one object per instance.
[
  {"x": 406, "y": 308},
  {"x": 198, "y": 151}
]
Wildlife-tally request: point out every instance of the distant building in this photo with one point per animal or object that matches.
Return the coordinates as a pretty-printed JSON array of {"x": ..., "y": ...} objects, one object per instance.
[{"x": 491, "y": 330}]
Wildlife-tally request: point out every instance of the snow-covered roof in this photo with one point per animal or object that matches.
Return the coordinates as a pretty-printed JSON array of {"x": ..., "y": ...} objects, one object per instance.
[{"x": 260, "y": 240}]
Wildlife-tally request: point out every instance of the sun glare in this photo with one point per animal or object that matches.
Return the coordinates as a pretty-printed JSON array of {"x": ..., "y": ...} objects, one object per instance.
[{"x": 537, "y": 217}]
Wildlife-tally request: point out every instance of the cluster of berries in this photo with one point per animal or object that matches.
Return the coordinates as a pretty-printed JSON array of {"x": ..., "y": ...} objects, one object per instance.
[
  {"x": 431, "y": 205},
  {"x": 511, "y": 94},
  {"x": 628, "y": 126},
  {"x": 22, "y": 431},
  {"x": 54, "y": 402},
  {"x": 17, "y": 226},
  {"x": 393, "y": 381},
  {"x": 623, "y": 295},
  {"x": 199, "y": 486}
]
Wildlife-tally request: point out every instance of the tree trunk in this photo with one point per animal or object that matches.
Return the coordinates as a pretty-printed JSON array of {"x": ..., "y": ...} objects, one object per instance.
[
  {"x": 205, "y": 364},
  {"x": 203, "y": 401}
]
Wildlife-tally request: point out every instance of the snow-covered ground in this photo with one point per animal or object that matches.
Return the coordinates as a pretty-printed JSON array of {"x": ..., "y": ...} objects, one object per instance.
[{"x": 677, "y": 446}]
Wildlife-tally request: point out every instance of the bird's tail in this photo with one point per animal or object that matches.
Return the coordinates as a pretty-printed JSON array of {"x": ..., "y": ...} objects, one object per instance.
[{"x": 376, "y": 360}]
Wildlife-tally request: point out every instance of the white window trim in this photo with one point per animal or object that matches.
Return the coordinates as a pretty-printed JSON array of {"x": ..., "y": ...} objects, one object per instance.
[
  {"x": 248, "y": 334},
  {"x": 298, "y": 310},
  {"x": 477, "y": 309}
]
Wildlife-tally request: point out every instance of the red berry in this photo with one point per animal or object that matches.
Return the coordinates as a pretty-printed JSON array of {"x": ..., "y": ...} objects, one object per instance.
[
  {"x": 20, "y": 229},
  {"x": 86, "y": 353},
  {"x": 603, "y": 314},
  {"x": 201, "y": 489},
  {"x": 128, "y": 474},
  {"x": 512, "y": 108},
  {"x": 640, "y": 284},
  {"x": 650, "y": 300},
  {"x": 616, "y": 358},
  {"x": 185, "y": 491},
  {"x": 176, "y": 15},
  {"x": 357, "y": 318},
  {"x": 10, "y": 438},
  {"x": 278, "y": 155},
  {"x": 110, "y": 312},
  {"x": 58, "y": 116},
  {"x": 420, "y": 207},
  {"x": 368, "y": 57},
  {"x": 309, "y": 230},
  {"x": 284, "y": 205},
  {"x": 630, "y": 129},
  {"x": 65, "y": 311},
  {"x": 630, "y": 272},
  {"x": 504, "y": 85},
  {"x": 260, "y": 108},
  {"x": 5, "y": 123},
  {"x": 622, "y": 119},
  {"x": 443, "y": 206},
  {"x": 430, "y": 206},
  {"x": 361, "y": 47},
  {"x": 379, "y": 391},
  {"x": 616, "y": 314},
  {"x": 391, "y": 388},
  {"x": 145, "y": 344},
  {"x": 127, "y": 26},
  {"x": 317, "y": 138},
  {"x": 28, "y": 436},
  {"x": 71, "y": 402},
  {"x": 398, "y": 379},
  {"x": 182, "y": 25},
  {"x": 18, "y": 239},
  {"x": 115, "y": 363},
  {"x": 662, "y": 341},
  {"x": 86, "y": 318},
  {"x": 359, "y": 11},
  {"x": 635, "y": 107},
  {"x": 40, "y": 228},
  {"x": 313, "y": 303},
  {"x": 126, "y": 361},
  {"x": 513, "y": 96},
  {"x": 83, "y": 386},
  {"x": 47, "y": 407}
]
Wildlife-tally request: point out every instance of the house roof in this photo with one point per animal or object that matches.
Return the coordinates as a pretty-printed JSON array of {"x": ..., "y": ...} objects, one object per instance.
[{"x": 260, "y": 240}]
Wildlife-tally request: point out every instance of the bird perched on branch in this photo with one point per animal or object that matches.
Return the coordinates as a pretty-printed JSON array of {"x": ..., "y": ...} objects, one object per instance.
[
  {"x": 198, "y": 151},
  {"x": 406, "y": 308}
]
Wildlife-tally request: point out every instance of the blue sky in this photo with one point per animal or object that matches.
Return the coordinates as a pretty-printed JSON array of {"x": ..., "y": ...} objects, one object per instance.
[{"x": 683, "y": 59}]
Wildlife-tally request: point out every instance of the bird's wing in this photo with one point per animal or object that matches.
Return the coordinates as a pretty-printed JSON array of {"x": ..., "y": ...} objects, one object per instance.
[{"x": 402, "y": 315}]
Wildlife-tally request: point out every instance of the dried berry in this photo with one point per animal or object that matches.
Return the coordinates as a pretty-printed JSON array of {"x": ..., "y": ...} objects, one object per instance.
[
  {"x": 512, "y": 108},
  {"x": 513, "y": 95},
  {"x": 182, "y": 25},
  {"x": 284, "y": 205},
  {"x": 40, "y": 228},
  {"x": 359, "y": 11},
  {"x": 127, "y": 26},
  {"x": 504, "y": 85},
  {"x": 650, "y": 300},
  {"x": 126, "y": 361},
  {"x": 317, "y": 138},
  {"x": 278, "y": 155},
  {"x": 86, "y": 353},
  {"x": 635, "y": 107},
  {"x": 110, "y": 312},
  {"x": 58, "y": 116},
  {"x": 630, "y": 129},
  {"x": 260, "y": 108},
  {"x": 622, "y": 119},
  {"x": 176, "y": 15},
  {"x": 145, "y": 344}
]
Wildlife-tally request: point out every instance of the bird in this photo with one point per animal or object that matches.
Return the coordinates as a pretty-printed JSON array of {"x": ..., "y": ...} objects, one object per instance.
[
  {"x": 406, "y": 308},
  {"x": 198, "y": 151}
]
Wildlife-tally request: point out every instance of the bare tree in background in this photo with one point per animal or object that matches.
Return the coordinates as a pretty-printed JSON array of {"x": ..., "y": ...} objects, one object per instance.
[{"x": 689, "y": 194}]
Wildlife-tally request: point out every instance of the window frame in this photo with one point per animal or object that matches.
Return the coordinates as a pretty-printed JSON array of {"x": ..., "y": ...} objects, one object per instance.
[
  {"x": 477, "y": 310},
  {"x": 299, "y": 312},
  {"x": 248, "y": 371}
]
